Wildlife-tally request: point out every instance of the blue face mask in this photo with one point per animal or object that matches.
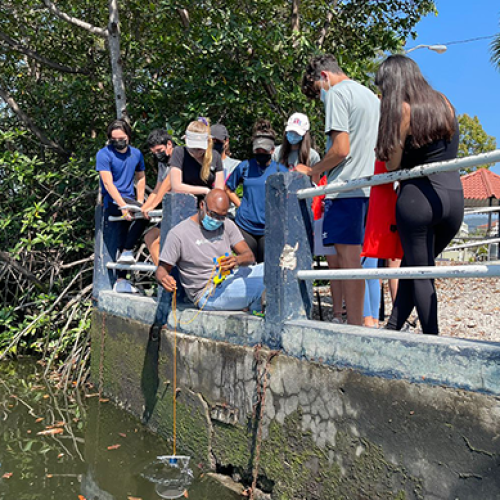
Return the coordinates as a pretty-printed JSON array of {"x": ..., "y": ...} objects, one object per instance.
[
  {"x": 323, "y": 92},
  {"x": 210, "y": 224},
  {"x": 293, "y": 137}
]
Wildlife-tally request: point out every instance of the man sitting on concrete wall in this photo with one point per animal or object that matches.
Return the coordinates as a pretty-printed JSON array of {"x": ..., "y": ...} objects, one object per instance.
[{"x": 196, "y": 243}]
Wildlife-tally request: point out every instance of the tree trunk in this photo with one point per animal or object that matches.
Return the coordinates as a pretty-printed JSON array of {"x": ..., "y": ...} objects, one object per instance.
[{"x": 116, "y": 61}]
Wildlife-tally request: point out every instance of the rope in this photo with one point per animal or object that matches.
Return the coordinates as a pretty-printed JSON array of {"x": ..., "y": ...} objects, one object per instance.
[
  {"x": 261, "y": 394},
  {"x": 174, "y": 314}
]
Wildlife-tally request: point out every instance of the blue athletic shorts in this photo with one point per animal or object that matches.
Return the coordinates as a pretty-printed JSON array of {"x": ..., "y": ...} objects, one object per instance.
[{"x": 344, "y": 221}]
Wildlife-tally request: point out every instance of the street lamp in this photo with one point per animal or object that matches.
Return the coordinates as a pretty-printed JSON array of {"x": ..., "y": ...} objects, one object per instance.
[{"x": 440, "y": 49}]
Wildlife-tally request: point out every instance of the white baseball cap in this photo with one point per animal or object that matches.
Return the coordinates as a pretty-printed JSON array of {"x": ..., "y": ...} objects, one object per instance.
[{"x": 299, "y": 123}]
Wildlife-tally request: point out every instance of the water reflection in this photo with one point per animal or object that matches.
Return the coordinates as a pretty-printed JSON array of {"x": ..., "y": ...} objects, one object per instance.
[{"x": 71, "y": 447}]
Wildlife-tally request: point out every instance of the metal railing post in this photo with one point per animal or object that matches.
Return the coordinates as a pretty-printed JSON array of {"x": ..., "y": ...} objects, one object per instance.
[
  {"x": 176, "y": 208},
  {"x": 288, "y": 249}
]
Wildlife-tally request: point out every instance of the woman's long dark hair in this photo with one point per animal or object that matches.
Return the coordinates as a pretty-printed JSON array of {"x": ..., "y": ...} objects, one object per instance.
[
  {"x": 304, "y": 150},
  {"x": 400, "y": 80}
]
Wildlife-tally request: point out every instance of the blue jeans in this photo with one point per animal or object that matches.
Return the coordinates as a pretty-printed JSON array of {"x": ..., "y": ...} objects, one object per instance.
[
  {"x": 372, "y": 290},
  {"x": 239, "y": 291}
]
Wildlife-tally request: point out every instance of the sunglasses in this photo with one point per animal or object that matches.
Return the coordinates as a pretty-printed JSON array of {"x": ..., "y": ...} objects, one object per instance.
[{"x": 214, "y": 215}]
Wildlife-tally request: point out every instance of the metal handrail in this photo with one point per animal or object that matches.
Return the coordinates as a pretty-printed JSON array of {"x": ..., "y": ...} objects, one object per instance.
[
  {"x": 402, "y": 175},
  {"x": 472, "y": 245},
  {"x": 473, "y": 271}
]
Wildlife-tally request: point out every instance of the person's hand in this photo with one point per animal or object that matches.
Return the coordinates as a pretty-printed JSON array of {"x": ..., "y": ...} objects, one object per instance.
[
  {"x": 228, "y": 263},
  {"x": 303, "y": 169},
  {"x": 126, "y": 214},
  {"x": 145, "y": 211},
  {"x": 168, "y": 283}
]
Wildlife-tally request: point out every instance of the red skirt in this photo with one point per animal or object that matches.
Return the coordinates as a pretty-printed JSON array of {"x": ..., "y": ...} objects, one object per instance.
[{"x": 381, "y": 234}]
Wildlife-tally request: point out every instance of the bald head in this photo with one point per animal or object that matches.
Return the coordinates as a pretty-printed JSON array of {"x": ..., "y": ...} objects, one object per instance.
[{"x": 217, "y": 201}]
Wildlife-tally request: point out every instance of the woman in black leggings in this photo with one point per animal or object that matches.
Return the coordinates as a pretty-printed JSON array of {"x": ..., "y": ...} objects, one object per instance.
[{"x": 418, "y": 126}]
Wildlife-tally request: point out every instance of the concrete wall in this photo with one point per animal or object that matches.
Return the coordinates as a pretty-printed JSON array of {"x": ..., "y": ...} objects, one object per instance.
[{"x": 328, "y": 431}]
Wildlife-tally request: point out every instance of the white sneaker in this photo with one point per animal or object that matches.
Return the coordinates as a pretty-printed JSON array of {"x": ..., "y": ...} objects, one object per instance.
[
  {"x": 124, "y": 286},
  {"x": 126, "y": 257}
]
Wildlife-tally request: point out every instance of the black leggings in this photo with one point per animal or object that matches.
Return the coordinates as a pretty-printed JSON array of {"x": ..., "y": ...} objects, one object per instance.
[
  {"x": 256, "y": 244},
  {"x": 130, "y": 232},
  {"x": 427, "y": 219}
]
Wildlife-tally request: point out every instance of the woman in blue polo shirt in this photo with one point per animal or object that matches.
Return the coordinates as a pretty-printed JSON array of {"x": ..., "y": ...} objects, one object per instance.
[
  {"x": 253, "y": 173},
  {"x": 119, "y": 164}
]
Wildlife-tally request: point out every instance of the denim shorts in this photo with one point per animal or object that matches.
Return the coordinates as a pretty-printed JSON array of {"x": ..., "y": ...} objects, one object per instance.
[{"x": 344, "y": 221}]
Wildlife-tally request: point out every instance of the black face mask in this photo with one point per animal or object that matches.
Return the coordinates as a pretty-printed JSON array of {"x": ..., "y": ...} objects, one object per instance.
[
  {"x": 263, "y": 159},
  {"x": 119, "y": 144},
  {"x": 219, "y": 147},
  {"x": 162, "y": 157}
]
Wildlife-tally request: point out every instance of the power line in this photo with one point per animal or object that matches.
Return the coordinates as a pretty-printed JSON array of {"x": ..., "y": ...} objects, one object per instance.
[{"x": 470, "y": 40}]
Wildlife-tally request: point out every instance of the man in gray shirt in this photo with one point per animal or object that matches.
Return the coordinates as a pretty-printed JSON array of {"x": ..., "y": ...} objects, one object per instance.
[
  {"x": 202, "y": 249},
  {"x": 161, "y": 146},
  {"x": 351, "y": 126}
]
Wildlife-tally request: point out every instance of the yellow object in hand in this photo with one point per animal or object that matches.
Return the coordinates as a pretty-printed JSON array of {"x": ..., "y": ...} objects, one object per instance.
[{"x": 221, "y": 275}]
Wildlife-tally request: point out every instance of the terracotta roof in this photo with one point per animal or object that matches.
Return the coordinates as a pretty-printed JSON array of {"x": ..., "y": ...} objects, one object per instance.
[{"x": 481, "y": 185}]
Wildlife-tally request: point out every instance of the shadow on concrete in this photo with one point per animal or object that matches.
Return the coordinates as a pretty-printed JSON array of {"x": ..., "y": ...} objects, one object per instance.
[{"x": 150, "y": 379}]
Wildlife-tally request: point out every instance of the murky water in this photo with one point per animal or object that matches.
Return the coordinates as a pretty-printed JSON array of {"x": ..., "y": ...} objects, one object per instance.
[{"x": 55, "y": 446}]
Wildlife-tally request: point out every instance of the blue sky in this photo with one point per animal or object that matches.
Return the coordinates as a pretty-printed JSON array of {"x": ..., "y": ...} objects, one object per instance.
[{"x": 464, "y": 72}]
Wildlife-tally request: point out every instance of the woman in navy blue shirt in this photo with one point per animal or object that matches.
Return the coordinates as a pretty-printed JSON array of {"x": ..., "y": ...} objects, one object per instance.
[
  {"x": 119, "y": 164},
  {"x": 253, "y": 173}
]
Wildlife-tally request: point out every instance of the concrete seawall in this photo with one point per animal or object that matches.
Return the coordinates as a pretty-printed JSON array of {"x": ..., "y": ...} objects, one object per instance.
[{"x": 348, "y": 413}]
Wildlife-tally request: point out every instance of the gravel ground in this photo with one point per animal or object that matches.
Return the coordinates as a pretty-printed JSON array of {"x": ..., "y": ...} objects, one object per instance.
[{"x": 467, "y": 308}]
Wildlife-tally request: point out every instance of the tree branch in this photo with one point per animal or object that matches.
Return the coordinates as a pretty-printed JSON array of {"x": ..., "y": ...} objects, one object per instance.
[
  {"x": 295, "y": 15},
  {"x": 103, "y": 33},
  {"x": 326, "y": 26},
  {"x": 33, "y": 55},
  {"x": 184, "y": 15},
  {"x": 31, "y": 126},
  {"x": 5, "y": 257}
]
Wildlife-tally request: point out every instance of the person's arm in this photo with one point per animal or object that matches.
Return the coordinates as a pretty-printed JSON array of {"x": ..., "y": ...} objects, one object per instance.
[
  {"x": 233, "y": 197},
  {"x": 157, "y": 195},
  {"x": 140, "y": 185},
  {"x": 394, "y": 161},
  {"x": 219, "y": 180},
  {"x": 336, "y": 154},
  {"x": 244, "y": 257},
  {"x": 164, "y": 278},
  {"x": 232, "y": 182},
  {"x": 179, "y": 187},
  {"x": 107, "y": 180}
]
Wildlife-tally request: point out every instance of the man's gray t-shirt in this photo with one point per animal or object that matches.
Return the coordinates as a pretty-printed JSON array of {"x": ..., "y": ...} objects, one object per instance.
[
  {"x": 350, "y": 107},
  {"x": 192, "y": 249},
  {"x": 293, "y": 157}
]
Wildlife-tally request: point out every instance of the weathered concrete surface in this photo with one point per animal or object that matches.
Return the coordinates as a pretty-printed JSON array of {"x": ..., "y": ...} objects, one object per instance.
[
  {"x": 327, "y": 433},
  {"x": 424, "y": 359},
  {"x": 465, "y": 364},
  {"x": 236, "y": 327}
]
